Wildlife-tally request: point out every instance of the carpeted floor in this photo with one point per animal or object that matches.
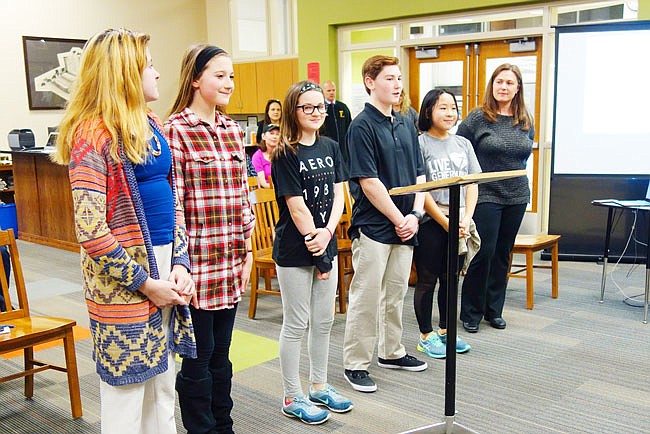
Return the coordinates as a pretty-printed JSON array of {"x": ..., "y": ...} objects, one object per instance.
[{"x": 571, "y": 365}]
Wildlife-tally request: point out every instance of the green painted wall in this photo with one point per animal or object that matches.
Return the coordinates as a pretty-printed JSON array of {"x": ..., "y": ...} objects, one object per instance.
[
  {"x": 318, "y": 21},
  {"x": 644, "y": 9},
  {"x": 372, "y": 35}
]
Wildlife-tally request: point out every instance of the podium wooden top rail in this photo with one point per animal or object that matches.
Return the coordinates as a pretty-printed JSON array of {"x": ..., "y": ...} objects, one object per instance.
[{"x": 475, "y": 178}]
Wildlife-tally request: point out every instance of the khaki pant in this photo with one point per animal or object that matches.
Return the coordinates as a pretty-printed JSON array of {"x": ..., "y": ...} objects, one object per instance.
[{"x": 377, "y": 295}]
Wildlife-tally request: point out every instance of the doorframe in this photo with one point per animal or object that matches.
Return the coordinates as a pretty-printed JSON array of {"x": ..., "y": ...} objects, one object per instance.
[{"x": 476, "y": 87}]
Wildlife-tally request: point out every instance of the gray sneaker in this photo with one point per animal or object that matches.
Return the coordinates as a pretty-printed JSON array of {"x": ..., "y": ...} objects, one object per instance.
[
  {"x": 360, "y": 380},
  {"x": 407, "y": 363}
]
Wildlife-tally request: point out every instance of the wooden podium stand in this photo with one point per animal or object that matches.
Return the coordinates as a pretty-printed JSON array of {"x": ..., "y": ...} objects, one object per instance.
[{"x": 453, "y": 184}]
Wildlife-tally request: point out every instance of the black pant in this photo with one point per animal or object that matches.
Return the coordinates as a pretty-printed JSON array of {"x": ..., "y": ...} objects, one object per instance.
[
  {"x": 484, "y": 287},
  {"x": 430, "y": 258},
  {"x": 204, "y": 383}
]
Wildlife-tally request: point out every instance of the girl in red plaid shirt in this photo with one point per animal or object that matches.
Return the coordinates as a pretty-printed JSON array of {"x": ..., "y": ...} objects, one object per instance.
[{"x": 212, "y": 182}]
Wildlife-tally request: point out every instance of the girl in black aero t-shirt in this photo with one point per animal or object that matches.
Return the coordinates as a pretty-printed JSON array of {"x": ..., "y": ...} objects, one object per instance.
[{"x": 307, "y": 175}]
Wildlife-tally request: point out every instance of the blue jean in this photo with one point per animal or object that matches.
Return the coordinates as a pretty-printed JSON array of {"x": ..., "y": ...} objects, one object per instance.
[{"x": 484, "y": 286}]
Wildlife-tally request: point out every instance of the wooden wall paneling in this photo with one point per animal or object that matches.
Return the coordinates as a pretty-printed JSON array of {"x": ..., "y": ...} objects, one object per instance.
[
  {"x": 57, "y": 215},
  {"x": 26, "y": 195},
  {"x": 295, "y": 76},
  {"x": 248, "y": 85},
  {"x": 235, "y": 104},
  {"x": 282, "y": 77},
  {"x": 265, "y": 84}
]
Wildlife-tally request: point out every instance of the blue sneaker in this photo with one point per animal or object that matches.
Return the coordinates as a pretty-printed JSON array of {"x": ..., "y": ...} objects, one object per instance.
[
  {"x": 305, "y": 411},
  {"x": 461, "y": 345},
  {"x": 331, "y": 399},
  {"x": 432, "y": 346}
]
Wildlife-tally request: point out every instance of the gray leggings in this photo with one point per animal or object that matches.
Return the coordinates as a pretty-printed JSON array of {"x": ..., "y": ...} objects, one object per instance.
[{"x": 306, "y": 301}]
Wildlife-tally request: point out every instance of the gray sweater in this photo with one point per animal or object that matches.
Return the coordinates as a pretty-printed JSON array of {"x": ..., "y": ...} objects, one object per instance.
[{"x": 499, "y": 146}]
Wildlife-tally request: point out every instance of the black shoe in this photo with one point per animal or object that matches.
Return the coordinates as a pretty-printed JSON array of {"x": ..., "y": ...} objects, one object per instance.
[
  {"x": 497, "y": 323},
  {"x": 408, "y": 363},
  {"x": 360, "y": 380},
  {"x": 470, "y": 327}
]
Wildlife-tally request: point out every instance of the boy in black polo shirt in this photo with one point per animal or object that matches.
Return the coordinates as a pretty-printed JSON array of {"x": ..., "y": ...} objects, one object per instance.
[{"x": 384, "y": 154}]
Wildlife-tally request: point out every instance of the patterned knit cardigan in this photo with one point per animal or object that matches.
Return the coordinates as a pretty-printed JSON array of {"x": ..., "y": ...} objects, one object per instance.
[{"x": 116, "y": 258}]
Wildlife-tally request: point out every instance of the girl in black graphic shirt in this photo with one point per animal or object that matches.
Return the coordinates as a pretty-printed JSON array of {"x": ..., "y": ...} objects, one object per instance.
[{"x": 307, "y": 174}]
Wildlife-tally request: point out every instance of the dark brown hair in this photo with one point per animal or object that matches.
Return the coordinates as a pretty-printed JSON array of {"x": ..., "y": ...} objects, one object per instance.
[
  {"x": 490, "y": 106},
  {"x": 267, "y": 119},
  {"x": 290, "y": 127}
]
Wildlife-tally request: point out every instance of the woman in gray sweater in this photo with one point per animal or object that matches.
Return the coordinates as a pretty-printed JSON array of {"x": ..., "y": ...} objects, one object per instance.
[{"x": 501, "y": 132}]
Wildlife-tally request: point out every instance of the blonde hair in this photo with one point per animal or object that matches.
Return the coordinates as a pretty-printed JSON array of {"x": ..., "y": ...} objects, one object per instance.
[
  {"x": 405, "y": 104},
  {"x": 109, "y": 90},
  {"x": 186, "y": 91}
]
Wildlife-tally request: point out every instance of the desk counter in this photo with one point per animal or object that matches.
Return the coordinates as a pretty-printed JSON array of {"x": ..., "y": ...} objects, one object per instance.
[{"x": 43, "y": 200}]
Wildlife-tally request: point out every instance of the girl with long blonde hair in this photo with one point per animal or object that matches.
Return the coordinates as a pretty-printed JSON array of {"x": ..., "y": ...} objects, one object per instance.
[{"x": 131, "y": 229}]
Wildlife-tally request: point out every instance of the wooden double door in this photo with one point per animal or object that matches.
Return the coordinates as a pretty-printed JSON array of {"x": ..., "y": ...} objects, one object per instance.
[{"x": 465, "y": 69}]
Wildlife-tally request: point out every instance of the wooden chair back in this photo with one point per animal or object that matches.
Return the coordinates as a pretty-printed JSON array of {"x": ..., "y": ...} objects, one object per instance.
[
  {"x": 345, "y": 249},
  {"x": 252, "y": 183},
  {"x": 26, "y": 331},
  {"x": 13, "y": 310},
  {"x": 267, "y": 214},
  {"x": 346, "y": 217}
]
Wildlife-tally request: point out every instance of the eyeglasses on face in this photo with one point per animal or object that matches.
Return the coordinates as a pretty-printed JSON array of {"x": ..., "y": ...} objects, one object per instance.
[
  {"x": 310, "y": 86},
  {"x": 308, "y": 109}
]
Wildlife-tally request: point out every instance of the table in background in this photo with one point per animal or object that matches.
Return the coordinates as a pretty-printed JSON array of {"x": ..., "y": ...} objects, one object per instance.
[{"x": 612, "y": 205}]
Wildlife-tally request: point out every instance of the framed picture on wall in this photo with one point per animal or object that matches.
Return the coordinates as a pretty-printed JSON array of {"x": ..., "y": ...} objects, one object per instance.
[{"x": 51, "y": 67}]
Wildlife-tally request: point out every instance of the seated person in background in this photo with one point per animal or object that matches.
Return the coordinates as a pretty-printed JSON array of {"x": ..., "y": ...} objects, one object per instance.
[
  {"x": 272, "y": 115},
  {"x": 250, "y": 169},
  {"x": 262, "y": 157}
]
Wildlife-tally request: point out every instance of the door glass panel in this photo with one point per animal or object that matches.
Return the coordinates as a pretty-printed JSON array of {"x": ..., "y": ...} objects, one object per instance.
[
  {"x": 378, "y": 34},
  {"x": 353, "y": 91},
  {"x": 443, "y": 75},
  {"x": 528, "y": 67}
]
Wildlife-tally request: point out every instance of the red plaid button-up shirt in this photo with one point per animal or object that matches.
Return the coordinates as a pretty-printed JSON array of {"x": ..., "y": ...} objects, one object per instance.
[{"x": 212, "y": 182}]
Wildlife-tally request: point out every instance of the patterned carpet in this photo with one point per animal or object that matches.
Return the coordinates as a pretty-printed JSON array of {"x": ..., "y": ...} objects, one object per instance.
[{"x": 571, "y": 365}]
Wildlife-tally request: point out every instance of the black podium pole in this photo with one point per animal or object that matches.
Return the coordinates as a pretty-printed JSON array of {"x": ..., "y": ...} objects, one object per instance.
[{"x": 450, "y": 426}]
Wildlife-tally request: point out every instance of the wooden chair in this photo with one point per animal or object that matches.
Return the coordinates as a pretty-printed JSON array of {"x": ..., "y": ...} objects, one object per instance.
[
  {"x": 344, "y": 245},
  {"x": 529, "y": 244},
  {"x": 252, "y": 183},
  {"x": 266, "y": 216},
  {"x": 28, "y": 331}
]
